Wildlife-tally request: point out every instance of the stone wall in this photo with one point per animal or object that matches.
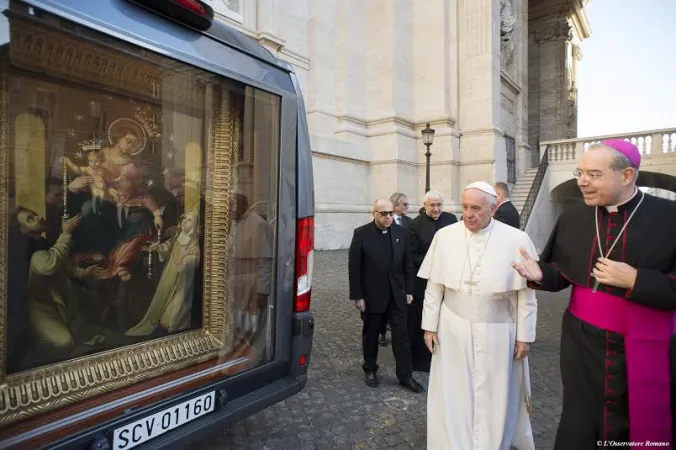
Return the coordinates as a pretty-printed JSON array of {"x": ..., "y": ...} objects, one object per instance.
[{"x": 374, "y": 73}]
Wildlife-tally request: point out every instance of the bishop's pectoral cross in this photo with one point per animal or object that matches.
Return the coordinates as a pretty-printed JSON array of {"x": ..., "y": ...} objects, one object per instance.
[
  {"x": 596, "y": 283},
  {"x": 471, "y": 283}
]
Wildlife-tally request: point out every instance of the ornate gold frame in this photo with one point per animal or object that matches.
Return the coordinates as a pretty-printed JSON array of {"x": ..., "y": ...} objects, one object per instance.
[{"x": 23, "y": 395}]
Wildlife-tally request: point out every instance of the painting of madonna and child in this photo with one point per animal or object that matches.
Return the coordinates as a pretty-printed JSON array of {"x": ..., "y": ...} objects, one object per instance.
[{"x": 106, "y": 228}]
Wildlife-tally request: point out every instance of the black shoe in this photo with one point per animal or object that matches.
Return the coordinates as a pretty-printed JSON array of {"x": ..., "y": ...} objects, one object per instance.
[
  {"x": 383, "y": 340},
  {"x": 412, "y": 385},
  {"x": 371, "y": 379}
]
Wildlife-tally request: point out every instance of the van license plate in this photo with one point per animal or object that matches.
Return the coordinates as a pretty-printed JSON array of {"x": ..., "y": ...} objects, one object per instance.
[{"x": 143, "y": 430}]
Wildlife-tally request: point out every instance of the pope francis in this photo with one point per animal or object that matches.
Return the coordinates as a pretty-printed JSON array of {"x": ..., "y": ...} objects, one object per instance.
[{"x": 479, "y": 320}]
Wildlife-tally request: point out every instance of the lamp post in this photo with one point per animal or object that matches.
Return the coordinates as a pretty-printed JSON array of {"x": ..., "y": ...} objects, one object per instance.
[{"x": 428, "y": 138}]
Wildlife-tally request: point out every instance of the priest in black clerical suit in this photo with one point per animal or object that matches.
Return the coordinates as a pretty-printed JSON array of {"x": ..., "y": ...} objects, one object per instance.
[
  {"x": 423, "y": 228},
  {"x": 506, "y": 212},
  {"x": 381, "y": 285},
  {"x": 400, "y": 208},
  {"x": 618, "y": 253}
]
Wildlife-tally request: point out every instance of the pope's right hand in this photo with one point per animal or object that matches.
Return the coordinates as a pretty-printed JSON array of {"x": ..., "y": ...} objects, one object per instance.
[
  {"x": 360, "y": 304},
  {"x": 528, "y": 267},
  {"x": 431, "y": 341}
]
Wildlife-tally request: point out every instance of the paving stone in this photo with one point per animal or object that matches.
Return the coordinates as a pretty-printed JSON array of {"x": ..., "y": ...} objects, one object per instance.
[{"x": 336, "y": 410}]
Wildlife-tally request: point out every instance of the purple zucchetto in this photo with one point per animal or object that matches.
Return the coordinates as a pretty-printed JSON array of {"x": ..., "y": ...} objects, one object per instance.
[{"x": 626, "y": 148}]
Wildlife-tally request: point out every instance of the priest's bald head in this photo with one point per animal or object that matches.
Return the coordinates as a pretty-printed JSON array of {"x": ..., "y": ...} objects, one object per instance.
[
  {"x": 383, "y": 212},
  {"x": 608, "y": 171},
  {"x": 479, "y": 202}
]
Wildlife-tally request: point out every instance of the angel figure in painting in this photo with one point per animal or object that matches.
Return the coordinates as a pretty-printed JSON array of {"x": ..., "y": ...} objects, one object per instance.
[{"x": 171, "y": 306}]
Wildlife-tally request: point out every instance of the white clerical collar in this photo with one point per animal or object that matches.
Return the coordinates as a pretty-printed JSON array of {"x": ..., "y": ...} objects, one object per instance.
[
  {"x": 483, "y": 230},
  {"x": 615, "y": 208}
]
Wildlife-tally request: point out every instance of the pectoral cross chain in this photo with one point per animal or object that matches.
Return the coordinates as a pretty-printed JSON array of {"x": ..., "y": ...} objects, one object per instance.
[{"x": 471, "y": 283}]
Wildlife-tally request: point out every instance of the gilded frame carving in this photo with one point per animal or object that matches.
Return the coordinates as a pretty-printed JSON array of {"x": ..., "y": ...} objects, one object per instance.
[{"x": 27, "y": 394}]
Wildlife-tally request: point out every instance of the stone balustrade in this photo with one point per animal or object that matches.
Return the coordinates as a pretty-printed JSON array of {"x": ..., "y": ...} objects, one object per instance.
[
  {"x": 651, "y": 144},
  {"x": 658, "y": 160}
]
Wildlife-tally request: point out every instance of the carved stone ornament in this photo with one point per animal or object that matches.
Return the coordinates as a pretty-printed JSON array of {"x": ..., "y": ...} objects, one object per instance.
[
  {"x": 507, "y": 23},
  {"x": 35, "y": 49},
  {"x": 547, "y": 32}
]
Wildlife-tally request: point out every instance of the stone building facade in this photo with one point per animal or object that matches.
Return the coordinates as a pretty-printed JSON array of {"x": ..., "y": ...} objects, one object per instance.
[{"x": 492, "y": 77}]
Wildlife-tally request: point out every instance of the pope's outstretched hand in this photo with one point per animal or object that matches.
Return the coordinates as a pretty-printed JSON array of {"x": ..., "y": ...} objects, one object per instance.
[{"x": 528, "y": 267}]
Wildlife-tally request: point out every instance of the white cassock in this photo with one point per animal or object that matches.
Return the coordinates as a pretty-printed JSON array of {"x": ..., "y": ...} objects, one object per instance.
[{"x": 477, "y": 390}]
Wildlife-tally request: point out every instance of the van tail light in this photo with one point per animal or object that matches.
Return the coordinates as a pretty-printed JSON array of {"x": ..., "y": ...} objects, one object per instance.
[
  {"x": 305, "y": 245},
  {"x": 193, "y": 5}
]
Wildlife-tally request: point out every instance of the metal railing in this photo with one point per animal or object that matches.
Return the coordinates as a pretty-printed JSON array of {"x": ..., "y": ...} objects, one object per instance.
[
  {"x": 534, "y": 189},
  {"x": 510, "y": 144}
]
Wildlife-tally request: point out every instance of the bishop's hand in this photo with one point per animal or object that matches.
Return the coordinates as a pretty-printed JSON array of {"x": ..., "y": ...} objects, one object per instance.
[
  {"x": 614, "y": 273},
  {"x": 528, "y": 268}
]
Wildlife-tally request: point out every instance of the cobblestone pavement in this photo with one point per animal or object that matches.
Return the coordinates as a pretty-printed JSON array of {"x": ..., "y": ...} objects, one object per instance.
[{"x": 336, "y": 410}]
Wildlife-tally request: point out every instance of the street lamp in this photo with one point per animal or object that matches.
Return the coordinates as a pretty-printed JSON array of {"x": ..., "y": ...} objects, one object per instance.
[{"x": 428, "y": 137}]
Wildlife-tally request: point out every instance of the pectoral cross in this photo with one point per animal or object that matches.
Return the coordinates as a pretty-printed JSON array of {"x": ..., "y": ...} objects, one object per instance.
[
  {"x": 596, "y": 283},
  {"x": 471, "y": 283}
]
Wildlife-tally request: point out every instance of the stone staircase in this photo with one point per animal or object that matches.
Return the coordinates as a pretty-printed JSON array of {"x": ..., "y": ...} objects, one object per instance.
[{"x": 522, "y": 187}]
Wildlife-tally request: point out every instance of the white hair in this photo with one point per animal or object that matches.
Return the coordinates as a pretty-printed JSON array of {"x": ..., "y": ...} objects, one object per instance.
[
  {"x": 492, "y": 199},
  {"x": 433, "y": 195}
]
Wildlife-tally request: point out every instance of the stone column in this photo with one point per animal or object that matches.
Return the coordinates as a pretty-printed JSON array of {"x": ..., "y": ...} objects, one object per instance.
[
  {"x": 481, "y": 141},
  {"x": 320, "y": 97},
  {"x": 266, "y": 25},
  {"x": 389, "y": 97},
  {"x": 435, "y": 75},
  {"x": 266, "y": 17},
  {"x": 548, "y": 84}
]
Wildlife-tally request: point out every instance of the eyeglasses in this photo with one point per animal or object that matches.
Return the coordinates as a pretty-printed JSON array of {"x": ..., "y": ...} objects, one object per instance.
[
  {"x": 577, "y": 173},
  {"x": 385, "y": 213},
  {"x": 405, "y": 204}
]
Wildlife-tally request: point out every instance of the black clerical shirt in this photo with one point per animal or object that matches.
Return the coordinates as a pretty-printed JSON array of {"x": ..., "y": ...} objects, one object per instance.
[
  {"x": 423, "y": 229},
  {"x": 384, "y": 239}
]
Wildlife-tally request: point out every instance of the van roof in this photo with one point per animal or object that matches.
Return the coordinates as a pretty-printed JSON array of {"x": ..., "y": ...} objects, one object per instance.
[{"x": 133, "y": 23}]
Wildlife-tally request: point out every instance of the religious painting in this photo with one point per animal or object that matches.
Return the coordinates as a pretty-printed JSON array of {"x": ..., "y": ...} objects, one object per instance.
[
  {"x": 113, "y": 231},
  {"x": 121, "y": 199}
]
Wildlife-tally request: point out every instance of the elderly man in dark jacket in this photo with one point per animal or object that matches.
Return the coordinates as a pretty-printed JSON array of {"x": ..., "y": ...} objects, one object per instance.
[{"x": 381, "y": 285}]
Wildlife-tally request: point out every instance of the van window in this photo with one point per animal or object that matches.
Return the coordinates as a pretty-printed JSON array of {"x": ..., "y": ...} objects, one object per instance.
[{"x": 138, "y": 199}]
